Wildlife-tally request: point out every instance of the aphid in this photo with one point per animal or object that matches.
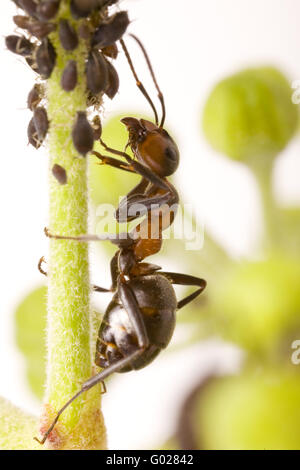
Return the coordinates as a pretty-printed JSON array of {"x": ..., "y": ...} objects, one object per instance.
[
  {"x": 47, "y": 10},
  {"x": 82, "y": 134},
  {"x": 45, "y": 58},
  {"x": 35, "y": 96},
  {"x": 29, "y": 6},
  {"x": 97, "y": 127},
  {"x": 110, "y": 32},
  {"x": 67, "y": 35},
  {"x": 40, "y": 29},
  {"x": 21, "y": 21},
  {"x": 33, "y": 138},
  {"x": 113, "y": 81},
  {"x": 82, "y": 8},
  {"x": 19, "y": 45},
  {"x": 41, "y": 122},
  {"x": 96, "y": 72},
  {"x": 59, "y": 173},
  {"x": 110, "y": 51},
  {"x": 36, "y": 28},
  {"x": 69, "y": 76}
]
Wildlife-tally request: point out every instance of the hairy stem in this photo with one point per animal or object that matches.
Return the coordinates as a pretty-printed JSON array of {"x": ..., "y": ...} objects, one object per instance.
[{"x": 69, "y": 332}]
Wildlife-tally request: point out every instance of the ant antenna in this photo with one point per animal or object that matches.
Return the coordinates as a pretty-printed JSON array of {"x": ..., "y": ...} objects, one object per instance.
[
  {"x": 160, "y": 95},
  {"x": 138, "y": 82}
]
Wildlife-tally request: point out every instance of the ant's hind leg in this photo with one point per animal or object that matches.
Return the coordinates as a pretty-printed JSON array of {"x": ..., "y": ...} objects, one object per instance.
[
  {"x": 186, "y": 280},
  {"x": 41, "y": 261},
  {"x": 117, "y": 366}
]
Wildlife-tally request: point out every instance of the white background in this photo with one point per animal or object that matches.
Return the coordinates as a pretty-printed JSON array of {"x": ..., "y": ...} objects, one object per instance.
[{"x": 192, "y": 44}]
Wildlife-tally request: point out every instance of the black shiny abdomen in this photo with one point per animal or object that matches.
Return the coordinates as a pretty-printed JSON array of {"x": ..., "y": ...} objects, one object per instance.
[{"x": 116, "y": 339}]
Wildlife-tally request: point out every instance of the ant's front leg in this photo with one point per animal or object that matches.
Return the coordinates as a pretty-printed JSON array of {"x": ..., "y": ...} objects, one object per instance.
[
  {"x": 139, "y": 168},
  {"x": 114, "y": 162},
  {"x": 186, "y": 280}
]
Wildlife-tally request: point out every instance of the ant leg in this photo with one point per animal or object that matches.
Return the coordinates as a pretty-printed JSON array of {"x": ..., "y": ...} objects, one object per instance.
[
  {"x": 123, "y": 240},
  {"x": 136, "y": 194},
  {"x": 130, "y": 304},
  {"x": 139, "y": 168},
  {"x": 114, "y": 270},
  {"x": 186, "y": 280},
  {"x": 95, "y": 288},
  {"x": 91, "y": 383},
  {"x": 113, "y": 162},
  {"x": 41, "y": 261}
]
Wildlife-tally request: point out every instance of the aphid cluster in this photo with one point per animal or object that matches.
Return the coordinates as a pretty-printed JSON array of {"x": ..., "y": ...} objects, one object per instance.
[
  {"x": 91, "y": 22},
  {"x": 140, "y": 319}
]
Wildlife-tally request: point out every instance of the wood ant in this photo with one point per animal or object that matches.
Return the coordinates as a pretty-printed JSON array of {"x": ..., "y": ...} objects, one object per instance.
[{"x": 140, "y": 319}]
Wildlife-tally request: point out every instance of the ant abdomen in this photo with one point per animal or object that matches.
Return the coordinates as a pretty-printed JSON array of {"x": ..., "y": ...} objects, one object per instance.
[{"x": 117, "y": 339}]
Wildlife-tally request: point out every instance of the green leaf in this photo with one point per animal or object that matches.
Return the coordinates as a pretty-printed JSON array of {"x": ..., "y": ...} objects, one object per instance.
[
  {"x": 17, "y": 428},
  {"x": 30, "y": 336}
]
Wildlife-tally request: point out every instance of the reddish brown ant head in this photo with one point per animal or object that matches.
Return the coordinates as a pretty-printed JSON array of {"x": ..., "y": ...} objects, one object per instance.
[{"x": 153, "y": 146}]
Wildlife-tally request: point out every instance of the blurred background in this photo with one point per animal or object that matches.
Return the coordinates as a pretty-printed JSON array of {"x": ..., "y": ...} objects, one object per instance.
[{"x": 228, "y": 379}]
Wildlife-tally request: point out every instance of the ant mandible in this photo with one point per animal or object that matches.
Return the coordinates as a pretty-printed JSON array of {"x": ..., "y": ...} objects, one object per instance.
[{"x": 140, "y": 319}]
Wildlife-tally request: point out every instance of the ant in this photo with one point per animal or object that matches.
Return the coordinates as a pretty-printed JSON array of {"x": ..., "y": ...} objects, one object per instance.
[
  {"x": 140, "y": 319},
  {"x": 156, "y": 157}
]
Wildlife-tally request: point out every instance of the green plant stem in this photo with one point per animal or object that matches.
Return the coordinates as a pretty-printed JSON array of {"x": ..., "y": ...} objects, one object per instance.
[
  {"x": 262, "y": 168},
  {"x": 69, "y": 331}
]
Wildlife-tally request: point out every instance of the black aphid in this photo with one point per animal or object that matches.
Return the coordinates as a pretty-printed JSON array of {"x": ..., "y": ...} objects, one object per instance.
[
  {"x": 67, "y": 35},
  {"x": 69, "y": 76},
  {"x": 33, "y": 138},
  {"x": 82, "y": 134},
  {"x": 59, "y": 173},
  {"x": 34, "y": 96},
  {"x": 21, "y": 21},
  {"x": 45, "y": 58},
  {"x": 96, "y": 72},
  {"x": 47, "y": 10},
  {"x": 29, "y": 6},
  {"x": 112, "y": 31},
  {"x": 39, "y": 29},
  {"x": 19, "y": 45},
  {"x": 113, "y": 80},
  {"x": 41, "y": 122}
]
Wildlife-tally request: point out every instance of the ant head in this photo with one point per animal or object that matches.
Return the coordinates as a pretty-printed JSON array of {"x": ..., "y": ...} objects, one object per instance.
[{"x": 153, "y": 146}]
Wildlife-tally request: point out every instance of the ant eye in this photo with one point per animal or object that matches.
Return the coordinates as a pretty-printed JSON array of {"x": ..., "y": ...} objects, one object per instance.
[
  {"x": 141, "y": 136},
  {"x": 171, "y": 154}
]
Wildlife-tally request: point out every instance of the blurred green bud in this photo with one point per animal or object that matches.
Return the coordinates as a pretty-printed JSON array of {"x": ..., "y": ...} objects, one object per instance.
[
  {"x": 30, "y": 327},
  {"x": 248, "y": 412},
  {"x": 257, "y": 305},
  {"x": 251, "y": 114}
]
